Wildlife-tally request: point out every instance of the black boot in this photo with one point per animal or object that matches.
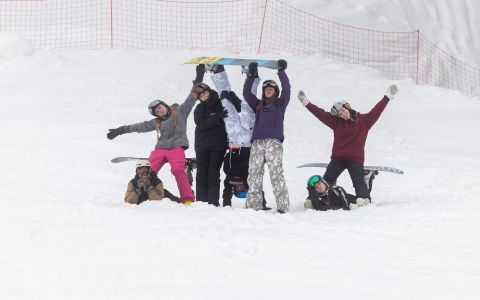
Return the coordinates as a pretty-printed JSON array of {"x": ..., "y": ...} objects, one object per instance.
[
  {"x": 264, "y": 203},
  {"x": 170, "y": 196}
]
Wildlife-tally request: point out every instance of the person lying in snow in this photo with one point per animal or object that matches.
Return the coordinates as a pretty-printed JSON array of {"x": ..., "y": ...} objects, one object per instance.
[
  {"x": 323, "y": 196},
  {"x": 146, "y": 186},
  {"x": 350, "y": 131}
]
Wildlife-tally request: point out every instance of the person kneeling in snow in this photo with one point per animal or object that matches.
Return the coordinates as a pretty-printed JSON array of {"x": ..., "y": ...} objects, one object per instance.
[
  {"x": 146, "y": 186},
  {"x": 322, "y": 196}
]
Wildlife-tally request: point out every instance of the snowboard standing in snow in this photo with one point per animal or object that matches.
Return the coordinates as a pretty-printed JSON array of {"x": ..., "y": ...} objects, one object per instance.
[
  {"x": 214, "y": 60},
  {"x": 190, "y": 164}
]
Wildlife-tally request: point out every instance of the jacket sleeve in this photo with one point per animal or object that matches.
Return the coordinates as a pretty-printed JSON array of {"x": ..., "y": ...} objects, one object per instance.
[
  {"x": 285, "y": 94},
  {"x": 232, "y": 121},
  {"x": 141, "y": 127},
  {"x": 157, "y": 192},
  {"x": 203, "y": 123},
  {"x": 325, "y": 117},
  {"x": 186, "y": 107},
  {"x": 131, "y": 196},
  {"x": 373, "y": 115},
  {"x": 251, "y": 99}
]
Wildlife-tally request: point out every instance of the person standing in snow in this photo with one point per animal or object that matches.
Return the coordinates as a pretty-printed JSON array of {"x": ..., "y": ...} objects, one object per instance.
[
  {"x": 170, "y": 123},
  {"x": 323, "y": 196},
  {"x": 146, "y": 185},
  {"x": 239, "y": 126},
  {"x": 210, "y": 142},
  {"x": 267, "y": 137},
  {"x": 350, "y": 130}
]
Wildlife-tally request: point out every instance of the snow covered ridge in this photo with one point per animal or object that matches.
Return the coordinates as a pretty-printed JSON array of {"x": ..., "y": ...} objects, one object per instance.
[{"x": 254, "y": 26}]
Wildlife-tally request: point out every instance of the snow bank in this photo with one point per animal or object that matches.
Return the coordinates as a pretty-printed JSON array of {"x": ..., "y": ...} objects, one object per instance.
[{"x": 12, "y": 46}]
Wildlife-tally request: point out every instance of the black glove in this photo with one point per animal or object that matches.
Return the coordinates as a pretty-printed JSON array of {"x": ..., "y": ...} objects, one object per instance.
[
  {"x": 232, "y": 97},
  {"x": 113, "y": 133},
  {"x": 217, "y": 69},
  {"x": 282, "y": 65},
  {"x": 200, "y": 69},
  {"x": 222, "y": 114},
  {"x": 253, "y": 70}
]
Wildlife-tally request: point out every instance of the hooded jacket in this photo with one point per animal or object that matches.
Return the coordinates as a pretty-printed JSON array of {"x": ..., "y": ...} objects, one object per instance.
[{"x": 210, "y": 131}]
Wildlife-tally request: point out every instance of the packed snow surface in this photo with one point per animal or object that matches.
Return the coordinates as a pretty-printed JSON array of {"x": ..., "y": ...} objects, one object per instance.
[{"x": 67, "y": 234}]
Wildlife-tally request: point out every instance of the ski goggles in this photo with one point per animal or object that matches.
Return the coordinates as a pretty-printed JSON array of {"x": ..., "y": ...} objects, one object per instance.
[
  {"x": 338, "y": 105},
  {"x": 269, "y": 83}
]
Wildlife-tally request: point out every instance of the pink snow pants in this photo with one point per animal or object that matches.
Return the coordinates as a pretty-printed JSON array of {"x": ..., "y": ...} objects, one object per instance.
[{"x": 176, "y": 158}]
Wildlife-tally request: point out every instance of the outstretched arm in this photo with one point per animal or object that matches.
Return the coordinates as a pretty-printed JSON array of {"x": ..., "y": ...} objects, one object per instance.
[
  {"x": 325, "y": 117},
  {"x": 373, "y": 115}
]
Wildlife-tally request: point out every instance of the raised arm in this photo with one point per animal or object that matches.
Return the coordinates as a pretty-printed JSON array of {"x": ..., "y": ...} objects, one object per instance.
[
  {"x": 285, "y": 95},
  {"x": 373, "y": 115},
  {"x": 325, "y": 117},
  {"x": 250, "y": 97}
]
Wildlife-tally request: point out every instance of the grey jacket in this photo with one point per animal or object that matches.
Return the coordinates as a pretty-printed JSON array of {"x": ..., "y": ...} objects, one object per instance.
[{"x": 171, "y": 136}]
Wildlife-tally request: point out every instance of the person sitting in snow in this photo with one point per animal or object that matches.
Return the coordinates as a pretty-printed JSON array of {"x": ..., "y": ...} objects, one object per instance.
[
  {"x": 239, "y": 126},
  {"x": 170, "y": 123},
  {"x": 323, "y": 196},
  {"x": 350, "y": 130},
  {"x": 146, "y": 185}
]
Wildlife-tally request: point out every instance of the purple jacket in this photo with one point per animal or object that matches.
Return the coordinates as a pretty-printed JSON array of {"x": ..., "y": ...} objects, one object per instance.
[{"x": 269, "y": 121}]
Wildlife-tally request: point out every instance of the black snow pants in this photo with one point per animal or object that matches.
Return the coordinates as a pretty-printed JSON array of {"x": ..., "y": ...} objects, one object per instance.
[
  {"x": 336, "y": 167},
  {"x": 209, "y": 163}
]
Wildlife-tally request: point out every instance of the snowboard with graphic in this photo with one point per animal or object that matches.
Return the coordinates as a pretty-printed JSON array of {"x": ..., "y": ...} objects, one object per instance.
[{"x": 214, "y": 60}]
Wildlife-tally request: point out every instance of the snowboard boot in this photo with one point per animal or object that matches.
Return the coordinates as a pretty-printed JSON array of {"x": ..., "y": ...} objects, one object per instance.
[
  {"x": 170, "y": 196},
  {"x": 368, "y": 177},
  {"x": 215, "y": 68}
]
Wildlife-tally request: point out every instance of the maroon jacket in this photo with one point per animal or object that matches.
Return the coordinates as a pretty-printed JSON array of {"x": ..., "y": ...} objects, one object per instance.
[{"x": 349, "y": 136}]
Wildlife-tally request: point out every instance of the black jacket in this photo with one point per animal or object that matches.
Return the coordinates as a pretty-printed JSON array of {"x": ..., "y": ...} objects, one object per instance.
[
  {"x": 336, "y": 198},
  {"x": 210, "y": 133}
]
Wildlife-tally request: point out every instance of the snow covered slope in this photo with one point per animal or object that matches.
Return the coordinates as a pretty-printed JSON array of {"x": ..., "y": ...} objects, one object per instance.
[
  {"x": 453, "y": 25},
  {"x": 66, "y": 233}
]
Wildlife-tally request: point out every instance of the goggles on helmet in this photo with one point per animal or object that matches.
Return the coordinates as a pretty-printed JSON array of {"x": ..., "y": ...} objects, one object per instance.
[{"x": 269, "y": 83}]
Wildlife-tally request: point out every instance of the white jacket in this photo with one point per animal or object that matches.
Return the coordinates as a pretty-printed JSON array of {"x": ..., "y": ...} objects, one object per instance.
[{"x": 239, "y": 126}]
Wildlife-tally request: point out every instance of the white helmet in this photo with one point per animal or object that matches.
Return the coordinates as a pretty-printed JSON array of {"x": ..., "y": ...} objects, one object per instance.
[
  {"x": 338, "y": 105},
  {"x": 143, "y": 163}
]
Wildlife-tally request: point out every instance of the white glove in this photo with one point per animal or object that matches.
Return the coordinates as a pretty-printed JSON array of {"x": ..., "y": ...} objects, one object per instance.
[
  {"x": 362, "y": 201},
  {"x": 392, "y": 91},
  {"x": 303, "y": 98}
]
